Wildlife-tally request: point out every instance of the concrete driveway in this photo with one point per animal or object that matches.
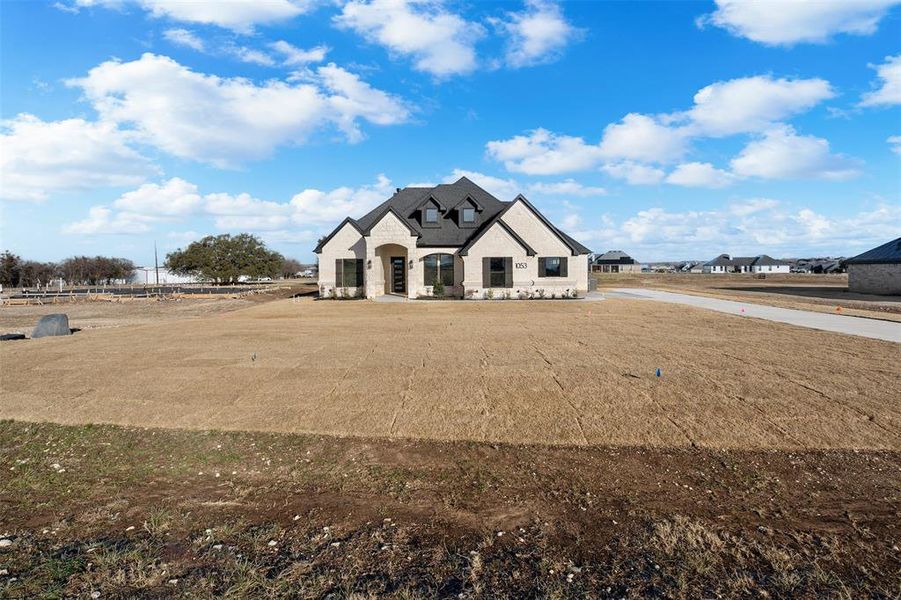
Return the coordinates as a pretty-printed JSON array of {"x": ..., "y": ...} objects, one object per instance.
[{"x": 871, "y": 328}]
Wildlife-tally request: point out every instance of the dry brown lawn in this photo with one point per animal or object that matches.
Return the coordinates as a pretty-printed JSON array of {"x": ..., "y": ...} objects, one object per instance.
[
  {"x": 554, "y": 372},
  {"x": 820, "y": 293}
]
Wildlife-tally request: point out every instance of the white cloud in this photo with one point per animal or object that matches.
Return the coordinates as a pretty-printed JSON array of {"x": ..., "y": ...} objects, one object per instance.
[
  {"x": 890, "y": 92},
  {"x": 41, "y": 158},
  {"x": 313, "y": 206},
  {"x": 504, "y": 189},
  {"x": 224, "y": 121},
  {"x": 634, "y": 173},
  {"x": 788, "y": 22},
  {"x": 251, "y": 222},
  {"x": 173, "y": 198},
  {"x": 507, "y": 189},
  {"x": 294, "y": 56},
  {"x": 642, "y": 138},
  {"x": 250, "y": 55},
  {"x": 783, "y": 154},
  {"x": 751, "y": 206},
  {"x": 697, "y": 174},
  {"x": 748, "y": 228},
  {"x": 895, "y": 142},
  {"x": 542, "y": 152},
  {"x": 537, "y": 35},
  {"x": 631, "y": 145},
  {"x": 103, "y": 221},
  {"x": 183, "y": 37},
  {"x": 439, "y": 42},
  {"x": 242, "y": 205},
  {"x": 750, "y": 104},
  {"x": 571, "y": 221},
  {"x": 177, "y": 200},
  {"x": 567, "y": 187},
  {"x": 238, "y": 15}
]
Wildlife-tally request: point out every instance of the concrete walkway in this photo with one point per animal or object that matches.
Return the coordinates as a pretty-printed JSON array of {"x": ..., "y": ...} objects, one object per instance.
[{"x": 871, "y": 328}]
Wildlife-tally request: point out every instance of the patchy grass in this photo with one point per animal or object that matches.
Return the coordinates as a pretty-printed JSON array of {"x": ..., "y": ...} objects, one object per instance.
[{"x": 143, "y": 512}]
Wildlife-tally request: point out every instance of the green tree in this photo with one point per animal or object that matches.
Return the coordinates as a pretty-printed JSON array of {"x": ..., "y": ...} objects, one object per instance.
[
  {"x": 224, "y": 259},
  {"x": 9, "y": 269}
]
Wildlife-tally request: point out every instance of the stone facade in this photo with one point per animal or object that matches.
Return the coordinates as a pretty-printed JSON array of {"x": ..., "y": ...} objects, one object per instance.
[{"x": 876, "y": 278}]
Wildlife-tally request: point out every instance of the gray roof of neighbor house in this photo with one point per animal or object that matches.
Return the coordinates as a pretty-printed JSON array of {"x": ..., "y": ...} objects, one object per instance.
[
  {"x": 723, "y": 260},
  {"x": 890, "y": 252},
  {"x": 407, "y": 201},
  {"x": 614, "y": 256},
  {"x": 767, "y": 260}
]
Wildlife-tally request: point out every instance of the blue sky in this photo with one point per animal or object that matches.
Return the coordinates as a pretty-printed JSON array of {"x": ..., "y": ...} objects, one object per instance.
[{"x": 671, "y": 130}]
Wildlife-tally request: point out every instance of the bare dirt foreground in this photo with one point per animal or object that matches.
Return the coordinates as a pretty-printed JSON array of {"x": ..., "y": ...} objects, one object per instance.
[
  {"x": 519, "y": 372},
  {"x": 109, "y": 512}
]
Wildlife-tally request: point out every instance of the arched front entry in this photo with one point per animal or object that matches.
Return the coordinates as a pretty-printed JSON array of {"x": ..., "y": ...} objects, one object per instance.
[{"x": 393, "y": 262}]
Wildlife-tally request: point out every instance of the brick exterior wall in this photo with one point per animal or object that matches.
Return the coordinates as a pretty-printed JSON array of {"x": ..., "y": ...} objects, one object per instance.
[{"x": 875, "y": 279}]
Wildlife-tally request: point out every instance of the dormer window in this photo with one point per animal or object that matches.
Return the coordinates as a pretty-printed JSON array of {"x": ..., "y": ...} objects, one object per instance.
[
  {"x": 431, "y": 215},
  {"x": 469, "y": 215}
]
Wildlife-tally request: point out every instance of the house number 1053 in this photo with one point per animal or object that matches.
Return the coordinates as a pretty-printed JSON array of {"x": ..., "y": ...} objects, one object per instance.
[{"x": 522, "y": 266}]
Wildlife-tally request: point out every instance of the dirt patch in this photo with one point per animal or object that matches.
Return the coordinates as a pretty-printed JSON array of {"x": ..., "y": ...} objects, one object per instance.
[
  {"x": 821, "y": 293},
  {"x": 579, "y": 373},
  {"x": 125, "y": 311},
  {"x": 148, "y": 513}
]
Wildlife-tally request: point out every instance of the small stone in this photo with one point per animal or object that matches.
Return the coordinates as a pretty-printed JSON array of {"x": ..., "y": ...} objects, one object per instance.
[
  {"x": 296, "y": 517},
  {"x": 95, "y": 595},
  {"x": 4, "y": 572},
  {"x": 272, "y": 543},
  {"x": 217, "y": 547},
  {"x": 173, "y": 581},
  {"x": 5, "y": 543}
]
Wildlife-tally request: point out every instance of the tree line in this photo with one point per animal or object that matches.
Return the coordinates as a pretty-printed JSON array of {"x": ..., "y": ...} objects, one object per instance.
[
  {"x": 220, "y": 259},
  {"x": 77, "y": 270}
]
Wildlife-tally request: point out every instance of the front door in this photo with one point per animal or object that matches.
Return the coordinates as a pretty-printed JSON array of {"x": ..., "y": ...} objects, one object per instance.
[{"x": 398, "y": 275}]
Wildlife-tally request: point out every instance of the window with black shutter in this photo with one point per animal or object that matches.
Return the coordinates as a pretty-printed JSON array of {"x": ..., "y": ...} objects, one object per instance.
[
  {"x": 552, "y": 266},
  {"x": 499, "y": 271}
]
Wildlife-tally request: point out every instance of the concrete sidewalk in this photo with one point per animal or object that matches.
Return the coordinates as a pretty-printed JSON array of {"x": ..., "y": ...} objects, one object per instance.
[{"x": 871, "y": 328}]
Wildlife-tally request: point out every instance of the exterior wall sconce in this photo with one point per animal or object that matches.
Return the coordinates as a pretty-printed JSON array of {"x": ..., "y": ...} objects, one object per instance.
[
  {"x": 411, "y": 264},
  {"x": 369, "y": 263}
]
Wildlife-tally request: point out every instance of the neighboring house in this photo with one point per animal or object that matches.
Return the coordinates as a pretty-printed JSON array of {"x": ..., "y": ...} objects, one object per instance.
[
  {"x": 822, "y": 265},
  {"x": 690, "y": 266},
  {"x": 877, "y": 271},
  {"x": 745, "y": 264},
  {"x": 615, "y": 261},
  {"x": 148, "y": 276},
  {"x": 457, "y": 234}
]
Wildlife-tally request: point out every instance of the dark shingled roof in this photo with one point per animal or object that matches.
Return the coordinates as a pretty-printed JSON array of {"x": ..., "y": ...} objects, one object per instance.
[
  {"x": 723, "y": 260},
  {"x": 406, "y": 201},
  {"x": 890, "y": 252},
  {"x": 614, "y": 257}
]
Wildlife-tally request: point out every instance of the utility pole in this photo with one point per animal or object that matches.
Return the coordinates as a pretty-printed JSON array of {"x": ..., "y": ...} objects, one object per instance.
[{"x": 156, "y": 264}]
